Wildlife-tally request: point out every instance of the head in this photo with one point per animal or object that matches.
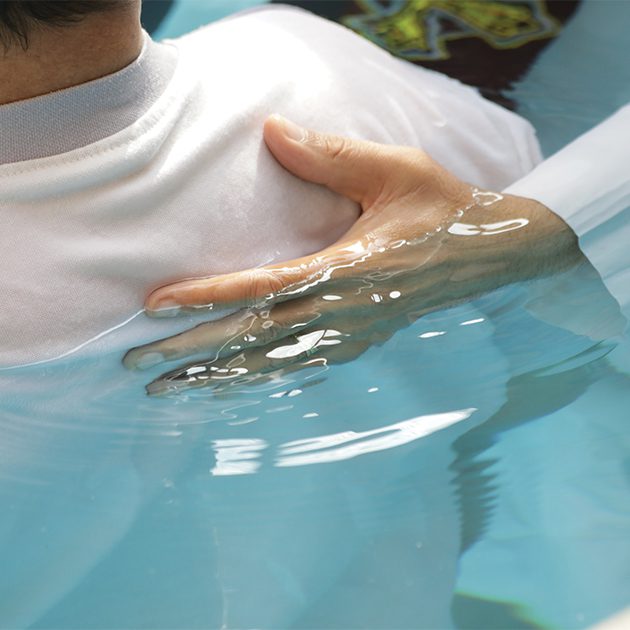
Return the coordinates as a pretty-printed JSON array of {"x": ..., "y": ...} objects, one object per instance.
[{"x": 20, "y": 18}]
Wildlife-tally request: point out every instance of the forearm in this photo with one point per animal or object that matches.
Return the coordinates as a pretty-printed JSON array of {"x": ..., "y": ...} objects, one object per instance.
[
  {"x": 512, "y": 240},
  {"x": 546, "y": 244}
]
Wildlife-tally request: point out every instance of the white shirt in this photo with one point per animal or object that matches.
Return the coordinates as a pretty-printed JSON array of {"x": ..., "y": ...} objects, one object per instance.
[
  {"x": 189, "y": 189},
  {"x": 180, "y": 184}
]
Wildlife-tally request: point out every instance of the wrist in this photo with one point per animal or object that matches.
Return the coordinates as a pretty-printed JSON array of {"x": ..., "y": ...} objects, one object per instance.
[
  {"x": 547, "y": 244},
  {"x": 511, "y": 239}
]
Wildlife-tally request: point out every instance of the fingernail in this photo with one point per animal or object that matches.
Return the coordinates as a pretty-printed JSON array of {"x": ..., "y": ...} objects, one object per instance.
[
  {"x": 149, "y": 360},
  {"x": 291, "y": 130}
]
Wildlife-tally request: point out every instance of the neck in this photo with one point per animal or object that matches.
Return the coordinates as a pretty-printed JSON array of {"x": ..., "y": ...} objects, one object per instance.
[{"x": 62, "y": 57}]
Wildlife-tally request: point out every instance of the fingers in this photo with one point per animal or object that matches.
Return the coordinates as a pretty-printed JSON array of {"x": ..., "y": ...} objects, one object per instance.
[
  {"x": 248, "y": 288},
  {"x": 227, "y": 336},
  {"x": 207, "y": 338},
  {"x": 319, "y": 347},
  {"x": 355, "y": 307},
  {"x": 242, "y": 288},
  {"x": 286, "y": 338},
  {"x": 356, "y": 169}
]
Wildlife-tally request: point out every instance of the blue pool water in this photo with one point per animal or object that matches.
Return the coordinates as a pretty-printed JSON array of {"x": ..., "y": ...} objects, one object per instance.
[
  {"x": 472, "y": 472},
  {"x": 480, "y": 472}
]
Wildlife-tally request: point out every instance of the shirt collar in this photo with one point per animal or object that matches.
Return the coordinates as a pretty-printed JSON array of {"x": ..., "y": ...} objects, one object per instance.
[{"x": 62, "y": 121}]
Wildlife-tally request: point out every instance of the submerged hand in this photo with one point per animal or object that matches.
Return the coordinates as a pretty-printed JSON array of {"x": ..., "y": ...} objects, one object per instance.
[{"x": 425, "y": 241}]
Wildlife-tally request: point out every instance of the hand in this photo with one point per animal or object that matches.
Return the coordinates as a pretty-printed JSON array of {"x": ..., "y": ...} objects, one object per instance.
[{"x": 425, "y": 241}]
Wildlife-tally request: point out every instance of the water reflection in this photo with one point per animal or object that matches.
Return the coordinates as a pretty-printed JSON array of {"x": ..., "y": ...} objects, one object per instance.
[{"x": 340, "y": 446}]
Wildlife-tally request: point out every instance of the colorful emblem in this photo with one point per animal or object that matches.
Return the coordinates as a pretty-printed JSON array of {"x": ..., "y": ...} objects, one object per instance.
[{"x": 419, "y": 30}]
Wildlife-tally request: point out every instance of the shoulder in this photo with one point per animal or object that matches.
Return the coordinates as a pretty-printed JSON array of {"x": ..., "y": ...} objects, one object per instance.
[{"x": 323, "y": 75}]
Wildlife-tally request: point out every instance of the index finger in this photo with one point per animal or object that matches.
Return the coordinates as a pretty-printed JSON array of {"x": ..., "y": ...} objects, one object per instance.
[
  {"x": 250, "y": 287},
  {"x": 241, "y": 288}
]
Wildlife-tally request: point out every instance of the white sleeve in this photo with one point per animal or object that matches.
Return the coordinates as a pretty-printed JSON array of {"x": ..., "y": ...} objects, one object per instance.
[{"x": 588, "y": 184}]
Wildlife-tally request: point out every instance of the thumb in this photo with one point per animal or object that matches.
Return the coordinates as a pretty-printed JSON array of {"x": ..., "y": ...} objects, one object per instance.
[{"x": 355, "y": 169}]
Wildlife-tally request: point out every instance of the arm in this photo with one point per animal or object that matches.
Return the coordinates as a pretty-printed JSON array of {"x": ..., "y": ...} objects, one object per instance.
[{"x": 425, "y": 241}]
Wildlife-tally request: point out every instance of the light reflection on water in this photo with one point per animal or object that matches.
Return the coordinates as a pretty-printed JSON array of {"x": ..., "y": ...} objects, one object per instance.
[{"x": 426, "y": 478}]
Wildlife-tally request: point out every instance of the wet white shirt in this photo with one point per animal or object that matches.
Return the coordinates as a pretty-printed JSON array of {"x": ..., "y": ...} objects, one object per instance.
[
  {"x": 180, "y": 184},
  {"x": 186, "y": 189}
]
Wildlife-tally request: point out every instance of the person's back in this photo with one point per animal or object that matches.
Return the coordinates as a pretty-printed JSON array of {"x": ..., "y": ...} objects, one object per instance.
[{"x": 171, "y": 182}]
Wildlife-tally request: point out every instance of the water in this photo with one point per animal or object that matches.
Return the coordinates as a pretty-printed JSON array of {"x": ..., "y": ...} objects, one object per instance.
[
  {"x": 471, "y": 472},
  {"x": 479, "y": 471}
]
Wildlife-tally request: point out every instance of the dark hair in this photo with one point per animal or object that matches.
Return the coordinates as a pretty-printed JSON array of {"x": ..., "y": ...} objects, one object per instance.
[{"x": 18, "y": 17}]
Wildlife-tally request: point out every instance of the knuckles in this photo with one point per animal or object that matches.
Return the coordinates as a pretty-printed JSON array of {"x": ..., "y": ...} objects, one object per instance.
[
  {"x": 261, "y": 283},
  {"x": 338, "y": 149}
]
